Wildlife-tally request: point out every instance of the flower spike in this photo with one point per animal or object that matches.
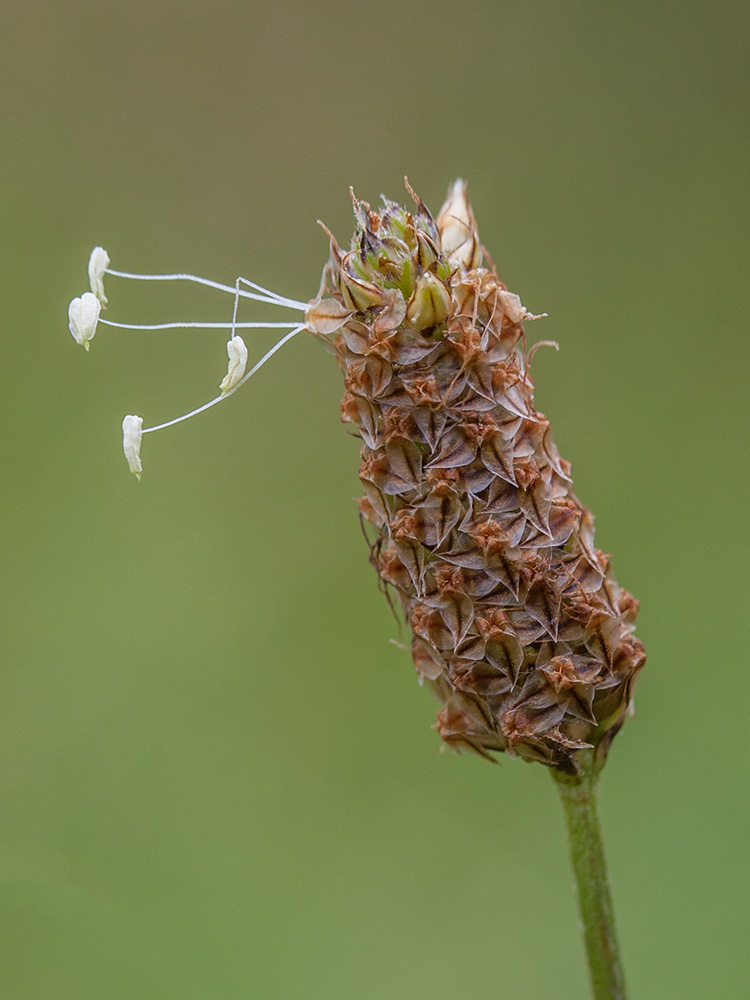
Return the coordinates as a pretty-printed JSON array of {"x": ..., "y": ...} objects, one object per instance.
[{"x": 518, "y": 623}]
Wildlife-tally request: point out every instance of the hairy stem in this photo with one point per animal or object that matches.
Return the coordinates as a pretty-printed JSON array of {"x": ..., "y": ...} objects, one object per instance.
[{"x": 579, "y": 799}]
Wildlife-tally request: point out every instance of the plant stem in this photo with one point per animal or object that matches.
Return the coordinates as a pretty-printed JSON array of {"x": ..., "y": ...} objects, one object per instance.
[{"x": 579, "y": 798}]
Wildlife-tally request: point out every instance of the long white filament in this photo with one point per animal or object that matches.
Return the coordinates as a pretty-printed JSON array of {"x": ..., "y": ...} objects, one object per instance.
[
  {"x": 202, "y": 326},
  {"x": 271, "y": 298}
]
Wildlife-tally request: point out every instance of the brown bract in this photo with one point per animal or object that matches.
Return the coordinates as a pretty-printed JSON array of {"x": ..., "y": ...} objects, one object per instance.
[{"x": 518, "y": 623}]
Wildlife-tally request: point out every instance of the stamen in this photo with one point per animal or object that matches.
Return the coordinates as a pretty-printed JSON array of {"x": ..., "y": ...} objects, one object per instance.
[
  {"x": 203, "y": 326},
  {"x": 271, "y": 298},
  {"x": 219, "y": 399}
]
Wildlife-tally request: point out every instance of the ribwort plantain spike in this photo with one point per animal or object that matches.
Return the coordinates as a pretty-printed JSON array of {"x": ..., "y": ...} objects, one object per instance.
[{"x": 518, "y": 623}]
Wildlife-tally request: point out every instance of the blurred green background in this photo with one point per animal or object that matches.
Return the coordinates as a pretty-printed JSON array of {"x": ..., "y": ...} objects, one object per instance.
[{"x": 217, "y": 777}]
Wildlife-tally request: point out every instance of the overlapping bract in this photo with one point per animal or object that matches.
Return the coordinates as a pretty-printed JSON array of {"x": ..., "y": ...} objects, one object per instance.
[{"x": 518, "y": 624}]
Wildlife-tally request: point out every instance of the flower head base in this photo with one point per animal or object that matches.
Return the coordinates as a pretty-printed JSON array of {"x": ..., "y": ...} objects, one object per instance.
[
  {"x": 98, "y": 264},
  {"x": 83, "y": 316}
]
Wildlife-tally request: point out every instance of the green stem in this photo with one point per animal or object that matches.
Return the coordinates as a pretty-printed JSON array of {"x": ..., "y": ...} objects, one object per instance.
[{"x": 579, "y": 797}]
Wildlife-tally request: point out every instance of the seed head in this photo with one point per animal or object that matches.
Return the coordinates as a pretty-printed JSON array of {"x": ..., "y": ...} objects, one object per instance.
[{"x": 518, "y": 624}]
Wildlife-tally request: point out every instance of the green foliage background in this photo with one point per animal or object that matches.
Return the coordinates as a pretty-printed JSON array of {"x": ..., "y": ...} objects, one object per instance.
[{"x": 217, "y": 777}]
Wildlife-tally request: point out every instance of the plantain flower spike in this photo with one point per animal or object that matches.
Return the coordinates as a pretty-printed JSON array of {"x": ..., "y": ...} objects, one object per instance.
[
  {"x": 518, "y": 623},
  {"x": 98, "y": 264},
  {"x": 83, "y": 317}
]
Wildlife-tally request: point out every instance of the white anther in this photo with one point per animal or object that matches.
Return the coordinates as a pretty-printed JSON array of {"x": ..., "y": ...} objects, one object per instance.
[
  {"x": 237, "y": 353},
  {"x": 98, "y": 264},
  {"x": 83, "y": 315},
  {"x": 132, "y": 432}
]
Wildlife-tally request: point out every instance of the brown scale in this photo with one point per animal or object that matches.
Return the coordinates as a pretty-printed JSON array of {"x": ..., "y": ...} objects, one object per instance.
[{"x": 518, "y": 624}]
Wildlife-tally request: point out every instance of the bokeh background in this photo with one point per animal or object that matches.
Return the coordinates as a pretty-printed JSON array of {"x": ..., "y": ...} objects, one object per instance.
[{"x": 217, "y": 776}]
